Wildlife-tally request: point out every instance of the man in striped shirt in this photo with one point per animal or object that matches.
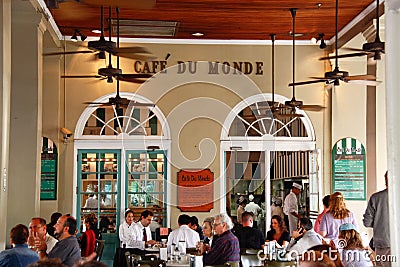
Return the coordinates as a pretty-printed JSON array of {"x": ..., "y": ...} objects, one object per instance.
[{"x": 226, "y": 247}]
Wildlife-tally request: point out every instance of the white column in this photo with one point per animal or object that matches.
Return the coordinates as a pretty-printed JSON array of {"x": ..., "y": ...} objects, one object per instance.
[
  {"x": 26, "y": 114},
  {"x": 392, "y": 20},
  {"x": 5, "y": 92}
]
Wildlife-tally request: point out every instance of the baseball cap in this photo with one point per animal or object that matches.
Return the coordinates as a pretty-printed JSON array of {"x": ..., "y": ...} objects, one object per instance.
[{"x": 347, "y": 226}]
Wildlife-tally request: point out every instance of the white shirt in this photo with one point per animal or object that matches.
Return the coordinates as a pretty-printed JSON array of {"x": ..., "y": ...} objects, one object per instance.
[
  {"x": 50, "y": 242},
  {"x": 91, "y": 203},
  {"x": 290, "y": 204},
  {"x": 126, "y": 234},
  {"x": 254, "y": 208},
  {"x": 137, "y": 236},
  {"x": 183, "y": 233}
]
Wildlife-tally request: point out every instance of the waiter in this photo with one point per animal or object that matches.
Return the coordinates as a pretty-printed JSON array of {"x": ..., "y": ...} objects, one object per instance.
[{"x": 291, "y": 209}]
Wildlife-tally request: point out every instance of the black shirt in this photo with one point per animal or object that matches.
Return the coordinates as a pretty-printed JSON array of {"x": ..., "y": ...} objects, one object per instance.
[
  {"x": 250, "y": 237},
  {"x": 285, "y": 236}
]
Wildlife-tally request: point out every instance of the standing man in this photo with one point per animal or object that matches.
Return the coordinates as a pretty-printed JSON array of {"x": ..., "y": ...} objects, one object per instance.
[
  {"x": 67, "y": 248},
  {"x": 291, "y": 209},
  {"x": 377, "y": 216},
  {"x": 253, "y": 208},
  {"x": 141, "y": 234},
  {"x": 20, "y": 255},
  {"x": 38, "y": 233}
]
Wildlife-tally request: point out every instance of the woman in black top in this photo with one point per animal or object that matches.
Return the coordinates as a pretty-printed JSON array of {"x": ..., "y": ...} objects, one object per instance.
[{"x": 278, "y": 231}]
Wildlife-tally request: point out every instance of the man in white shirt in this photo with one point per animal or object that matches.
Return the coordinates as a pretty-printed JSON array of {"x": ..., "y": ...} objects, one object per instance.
[
  {"x": 291, "y": 209},
  {"x": 38, "y": 233},
  {"x": 183, "y": 233},
  {"x": 141, "y": 234},
  {"x": 91, "y": 202},
  {"x": 253, "y": 208}
]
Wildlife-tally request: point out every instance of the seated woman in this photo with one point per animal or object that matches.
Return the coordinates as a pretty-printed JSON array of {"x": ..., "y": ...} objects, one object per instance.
[
  {"x": 353, "y": 253},
  {"x": 278, "y": 231},
  {"x": 208, "y": 230},
  {"x": 88, "y": 238}
]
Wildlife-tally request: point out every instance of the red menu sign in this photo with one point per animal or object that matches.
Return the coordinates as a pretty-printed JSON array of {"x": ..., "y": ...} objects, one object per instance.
[{"x": 195, "y": 190}]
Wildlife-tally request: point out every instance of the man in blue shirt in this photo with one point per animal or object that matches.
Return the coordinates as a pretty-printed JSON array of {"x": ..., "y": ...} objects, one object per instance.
[{"x": 20, "y": 255}]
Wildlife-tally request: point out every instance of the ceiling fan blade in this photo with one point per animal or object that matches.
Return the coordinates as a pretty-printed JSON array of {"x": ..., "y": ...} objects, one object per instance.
[
  {"x": 312, "y": 107},
  {"x": 361, "y": 77},
  {"x": 360, "y": 54},
  {"x": 131, "y": 49},
  {"x": 321, "y": 80},
  {"x": 363, "y": 82},
  {"x": 134, "y": 77},
  {"x": 67, "y": 53},
  {"x": 81, "y": 76}
]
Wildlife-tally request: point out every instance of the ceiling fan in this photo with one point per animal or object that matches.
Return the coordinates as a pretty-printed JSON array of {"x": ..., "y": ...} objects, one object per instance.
[
  {"x": 294, "y": 103},
  {"x": 119, "y": 101},
  {"x": 109, "y": 72},
  {"x": 274, "y": 109},
  {"x": 102, "y": 45},
  {"x": 375, "y": 48},
  {"x": 337, "y": 75}
]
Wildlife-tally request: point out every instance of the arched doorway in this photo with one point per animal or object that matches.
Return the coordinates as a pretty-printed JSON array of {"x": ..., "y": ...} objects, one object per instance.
[
  {"x": 121, "y": 163},
  {"x": 263, "y": 154}
]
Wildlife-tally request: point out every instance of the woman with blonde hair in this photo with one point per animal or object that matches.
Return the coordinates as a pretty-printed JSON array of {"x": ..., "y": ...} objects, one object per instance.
[
  {"x": 337, "y": 215},
  {"x": 353, "y": 253}
]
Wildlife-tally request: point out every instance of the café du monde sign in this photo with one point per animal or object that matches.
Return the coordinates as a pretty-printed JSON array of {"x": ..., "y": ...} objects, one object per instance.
[
  {"x": 195, "y": 190},
  {"x": 348, "y": 169}
]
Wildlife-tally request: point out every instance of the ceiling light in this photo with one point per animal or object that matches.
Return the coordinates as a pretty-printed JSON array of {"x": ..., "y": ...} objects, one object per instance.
[
  {"x": 197, "y": 34},
  {"x": 96, "y": 31}
]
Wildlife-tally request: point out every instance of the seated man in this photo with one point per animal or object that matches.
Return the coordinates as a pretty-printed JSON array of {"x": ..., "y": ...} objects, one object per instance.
[
  {"x": 226, "y": 247},
  {"x": 304, "y": 237},
  {"x": 183, "y": 233},
  {"x": 248, "y": 236},
  {"x": 67, "y": 248},
  {"x": 141, "y": 234},
  {"x": 20, "y": 255},
  {"x": 38, "y": 235}
]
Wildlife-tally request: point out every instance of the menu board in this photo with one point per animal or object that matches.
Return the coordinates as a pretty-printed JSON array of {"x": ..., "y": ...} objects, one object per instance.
[
  {"x": 48, "y": 184},
  {"x": 195, "y": 190},
  {"x": 348, "y": 169}
]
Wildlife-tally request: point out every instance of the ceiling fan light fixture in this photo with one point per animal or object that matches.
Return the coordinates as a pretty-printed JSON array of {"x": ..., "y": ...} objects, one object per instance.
[
  {"x": 322, "y": 45},
  {"x": 83, "y": 37},
  {"x": 101, "y": 55},
  {"x": 109, "y": 79},
  {"x": 74, "y": 37}
]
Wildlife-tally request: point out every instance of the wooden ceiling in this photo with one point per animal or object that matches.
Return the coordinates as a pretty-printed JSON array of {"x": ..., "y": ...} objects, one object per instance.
[{"x": 217, "y": 19}]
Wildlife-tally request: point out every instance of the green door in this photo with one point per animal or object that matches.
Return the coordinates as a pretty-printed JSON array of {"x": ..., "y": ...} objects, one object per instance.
[{"x": 99, "y": 181}]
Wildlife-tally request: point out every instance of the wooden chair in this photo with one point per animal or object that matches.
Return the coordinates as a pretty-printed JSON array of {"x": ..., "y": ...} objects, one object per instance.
[{"x": 100, "y": 248}]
